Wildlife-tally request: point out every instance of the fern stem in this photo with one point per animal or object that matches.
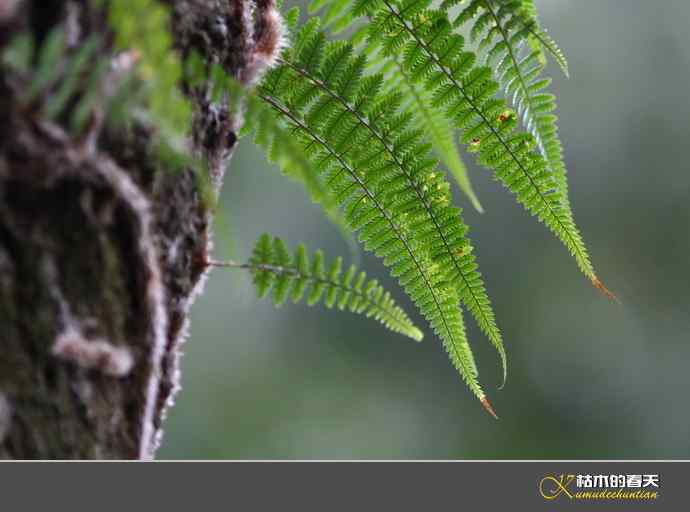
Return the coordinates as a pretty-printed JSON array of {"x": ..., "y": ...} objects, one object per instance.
[{"x": 227, "y": 264}]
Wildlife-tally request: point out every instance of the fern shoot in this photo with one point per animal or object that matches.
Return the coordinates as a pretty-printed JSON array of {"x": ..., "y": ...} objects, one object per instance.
[
  {"x": 357, "y": 121},
  {"x": 357, "y": 125}
]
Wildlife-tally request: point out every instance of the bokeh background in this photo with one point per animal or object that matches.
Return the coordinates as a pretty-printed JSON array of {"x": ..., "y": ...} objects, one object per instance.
[{"x": 587, "y": 378}]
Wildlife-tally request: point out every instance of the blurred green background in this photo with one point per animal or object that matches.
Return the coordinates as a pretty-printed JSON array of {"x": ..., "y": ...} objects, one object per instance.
[{"x": 587, "y": 378}]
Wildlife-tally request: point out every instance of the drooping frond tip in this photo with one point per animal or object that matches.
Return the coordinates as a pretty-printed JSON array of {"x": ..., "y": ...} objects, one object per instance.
[
  {"x": 487, "y": 405},
  {"x": 602, "y": 288}
]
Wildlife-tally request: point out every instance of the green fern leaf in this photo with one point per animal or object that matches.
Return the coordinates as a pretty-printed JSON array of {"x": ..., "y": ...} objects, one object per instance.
[
  {"x": 433, "y": 54},
  {"x": 66, "y": 83},
  {"x": 143, "y": 27},
  {"x": 424, "y": 201},
  {"x": 74, "y": 69},
  {"x": 378, "y": 169},
  {"x": 519, "y": 74},
  {"x": 289, "y": 276},
  {"x": 438, "y": 130},
  {"x": 525, "y": 18}
]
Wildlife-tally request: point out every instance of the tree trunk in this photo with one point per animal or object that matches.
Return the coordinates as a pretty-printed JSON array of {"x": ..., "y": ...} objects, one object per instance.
[{"x": 101, "y": 251}]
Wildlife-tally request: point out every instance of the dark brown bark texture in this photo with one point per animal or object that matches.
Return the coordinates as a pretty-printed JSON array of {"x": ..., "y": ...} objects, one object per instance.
[{"x": 102, "y": 251}]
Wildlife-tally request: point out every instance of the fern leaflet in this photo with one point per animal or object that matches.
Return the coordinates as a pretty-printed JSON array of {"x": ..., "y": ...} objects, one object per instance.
[
  {"x": 290, "y": 276},
  {"x": 526, "y": 14}
]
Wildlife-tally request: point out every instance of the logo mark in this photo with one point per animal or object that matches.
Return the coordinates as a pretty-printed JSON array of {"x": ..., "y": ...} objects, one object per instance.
[
  {"x": 551, "y": 487},
  {"x": 600, "y": 487}
]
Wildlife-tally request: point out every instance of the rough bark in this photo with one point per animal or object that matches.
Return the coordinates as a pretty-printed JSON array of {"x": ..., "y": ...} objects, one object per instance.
[{"x": 101, "y": 251}]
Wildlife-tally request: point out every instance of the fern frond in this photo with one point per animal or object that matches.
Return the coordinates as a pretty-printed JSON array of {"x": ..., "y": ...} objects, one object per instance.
[
  {"x": 525, "y": 19},
  {"x": 273, "y": 268},
  {"x": 379, "y": 141},
  {"x": 520, "y": 75},
  {"x": 74, "y": 73},
  {"x": 434, "y": 55},
  {"x": 547, "y": 42},
  {"x": 144, "y": 26},
  {"x": 49, "y": 67},
  {"x": 365, "y": 183},
  {"x": 387, "y": 236},
  {"x": 423, "y": 196},
  {"x": 439, "y": 131}
]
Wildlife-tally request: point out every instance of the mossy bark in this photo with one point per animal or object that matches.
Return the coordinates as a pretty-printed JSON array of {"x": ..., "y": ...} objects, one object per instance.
[{"x": 99, "y": 247}]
